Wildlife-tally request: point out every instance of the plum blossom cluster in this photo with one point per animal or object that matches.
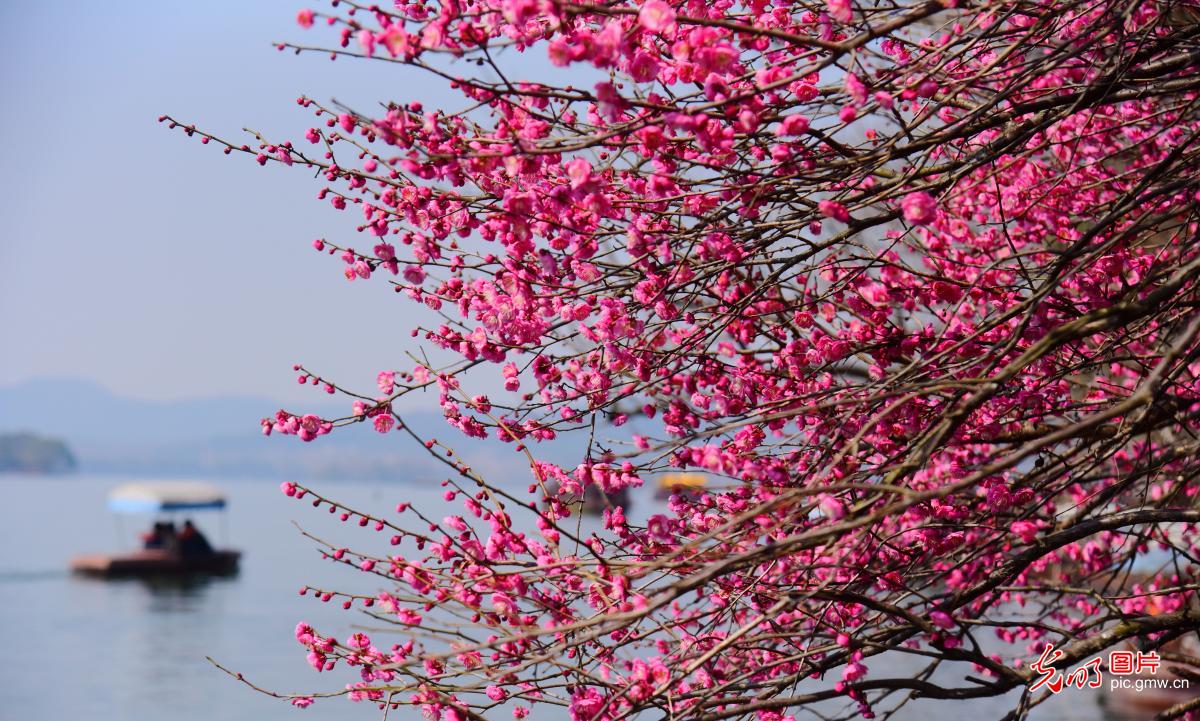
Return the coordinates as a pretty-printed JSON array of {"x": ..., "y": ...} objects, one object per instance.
[
  {"x": 307, "y": 427},
  {"x": 914, "y": 285}
]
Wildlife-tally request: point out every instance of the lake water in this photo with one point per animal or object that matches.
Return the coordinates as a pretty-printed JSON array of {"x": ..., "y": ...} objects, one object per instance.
[{"x": 78, "y": 648}]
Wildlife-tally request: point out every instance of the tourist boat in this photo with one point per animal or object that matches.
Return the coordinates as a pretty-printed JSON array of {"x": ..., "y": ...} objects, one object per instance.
[
  {"x": 594, "y": 501},
  {"x": 691, "y": 484},
  {"x": 161, "y": 499}
]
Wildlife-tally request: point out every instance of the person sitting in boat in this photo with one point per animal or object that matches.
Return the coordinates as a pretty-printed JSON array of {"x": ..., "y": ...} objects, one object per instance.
[
  {"x": 161, "y": 536},
  {"x": 192, "y": 542},
  {"x": 153, "y": 537}
]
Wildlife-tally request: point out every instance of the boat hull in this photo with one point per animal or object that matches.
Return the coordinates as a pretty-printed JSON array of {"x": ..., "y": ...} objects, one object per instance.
[{"x": 155, "y": 563}]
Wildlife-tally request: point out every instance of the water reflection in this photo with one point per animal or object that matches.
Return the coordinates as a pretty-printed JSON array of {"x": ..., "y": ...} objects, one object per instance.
[{"x": 178, "y": 593}]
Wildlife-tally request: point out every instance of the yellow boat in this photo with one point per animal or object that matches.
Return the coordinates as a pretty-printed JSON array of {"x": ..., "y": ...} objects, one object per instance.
[{"x": 683, "y": 483}]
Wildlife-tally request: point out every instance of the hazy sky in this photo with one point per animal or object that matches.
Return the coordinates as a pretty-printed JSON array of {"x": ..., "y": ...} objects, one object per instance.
[{"x": 135, "y": 257}]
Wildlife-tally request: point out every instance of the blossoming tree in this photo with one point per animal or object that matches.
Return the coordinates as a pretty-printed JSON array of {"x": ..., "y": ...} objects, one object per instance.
[{"x": 914, "y": 283}]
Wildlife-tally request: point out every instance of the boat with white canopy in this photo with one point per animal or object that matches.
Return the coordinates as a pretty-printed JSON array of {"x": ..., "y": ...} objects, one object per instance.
[{"x": 166, "y": 551}]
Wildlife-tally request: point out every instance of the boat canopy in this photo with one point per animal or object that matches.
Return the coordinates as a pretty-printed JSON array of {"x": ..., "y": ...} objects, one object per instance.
[{"x": 158, "y": 496}]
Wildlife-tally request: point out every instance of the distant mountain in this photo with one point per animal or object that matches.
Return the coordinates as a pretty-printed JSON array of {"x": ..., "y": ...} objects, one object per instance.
[
  {"x": 204, "y": 437},
  {"x": 220, "y": 437},
  {"x": 91, "y": 413},
  {"x": 29, "y": 453}
]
